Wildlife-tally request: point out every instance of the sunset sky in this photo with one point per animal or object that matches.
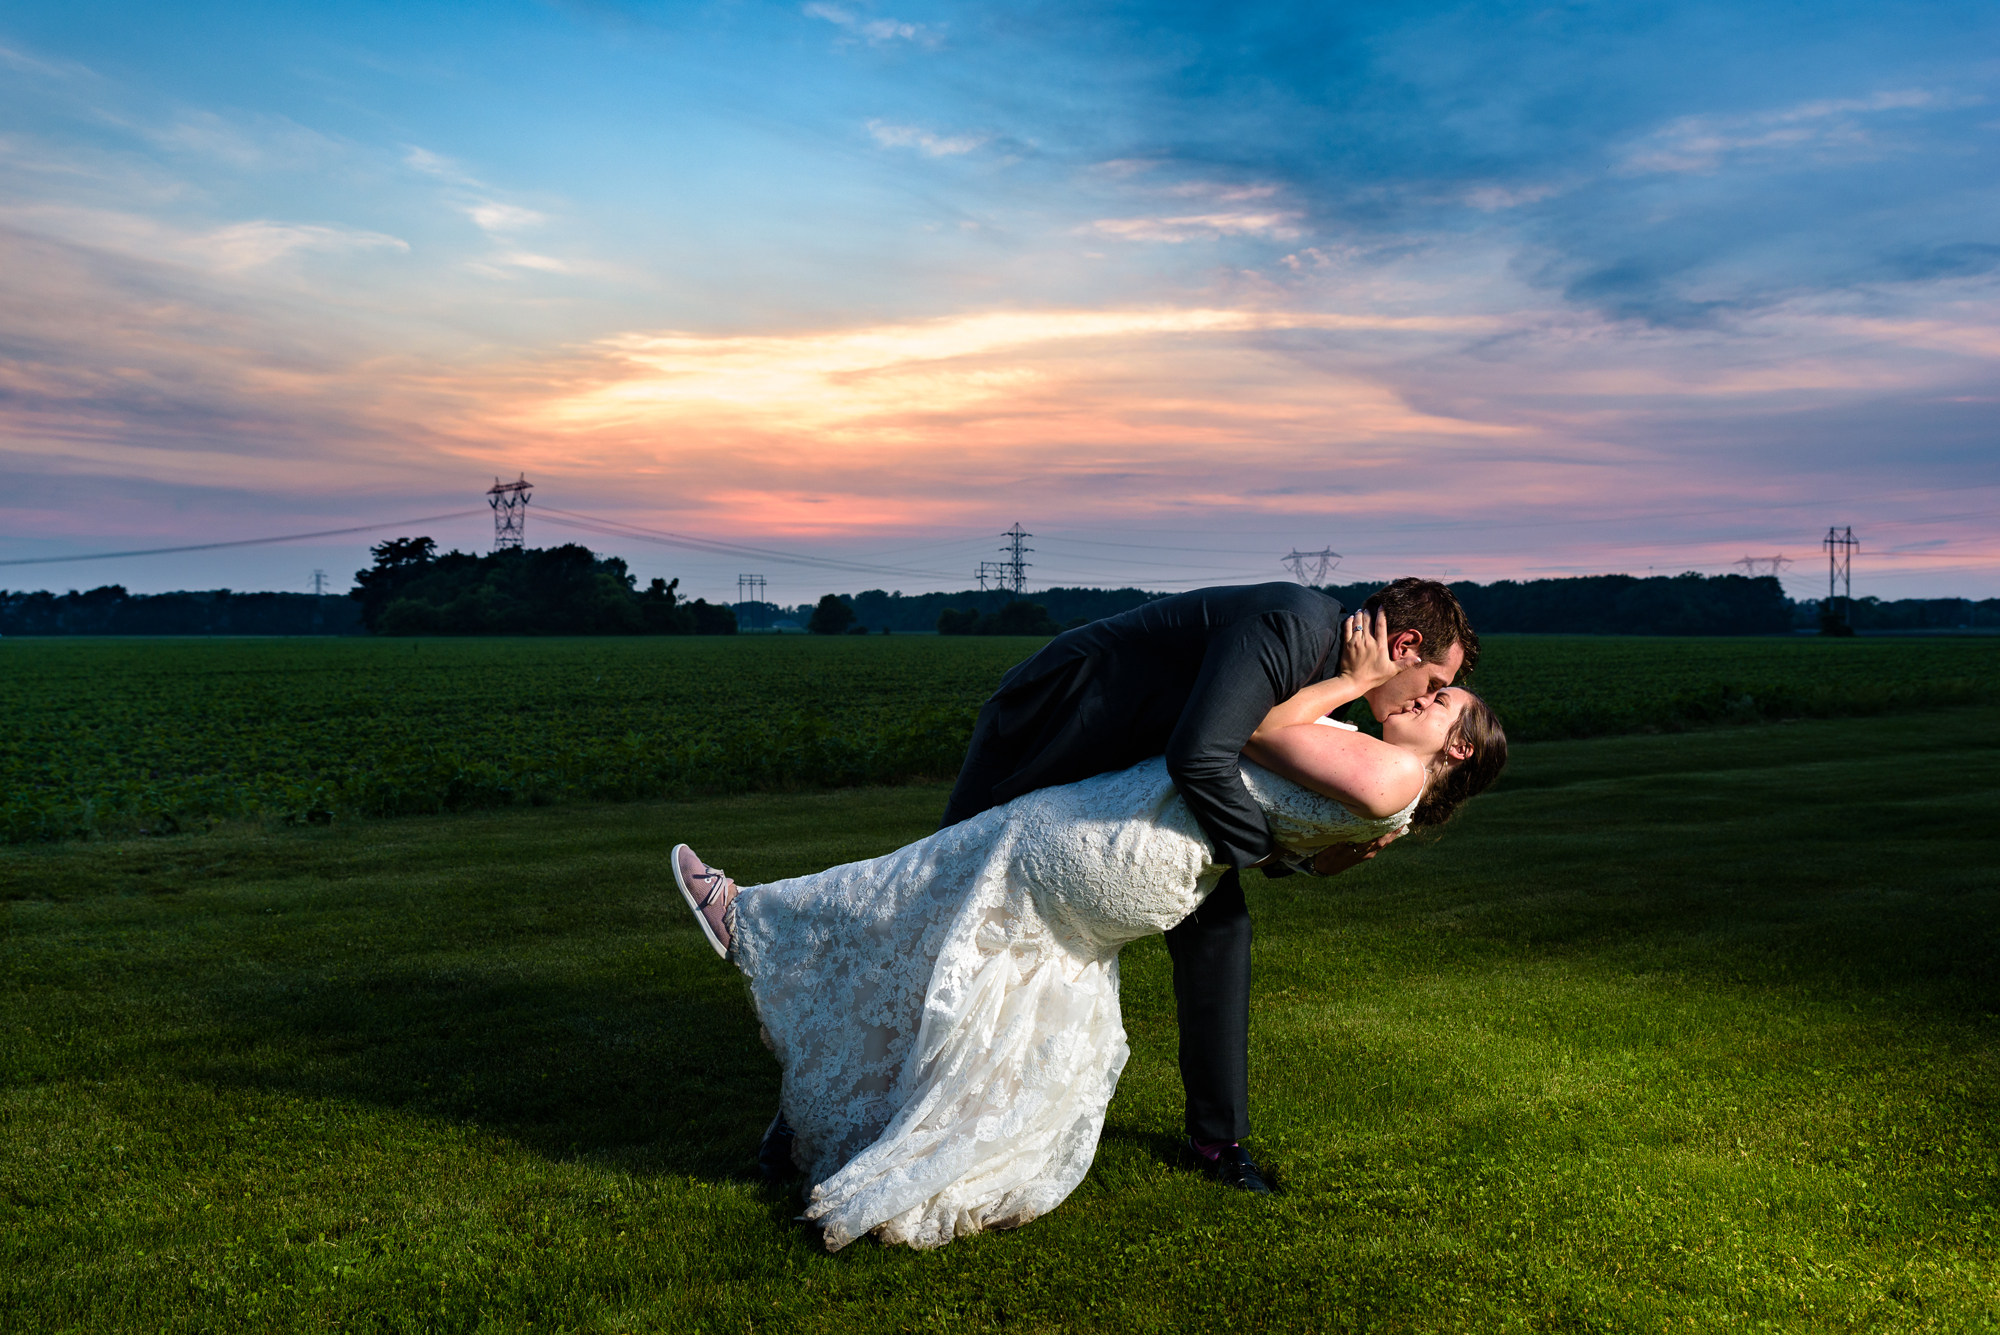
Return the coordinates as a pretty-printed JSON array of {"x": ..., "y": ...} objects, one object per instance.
[{"x": 1477, "y": 291}]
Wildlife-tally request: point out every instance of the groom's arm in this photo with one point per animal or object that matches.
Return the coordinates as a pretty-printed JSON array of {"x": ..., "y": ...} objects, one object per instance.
[{"x": 1249, "y": 666}]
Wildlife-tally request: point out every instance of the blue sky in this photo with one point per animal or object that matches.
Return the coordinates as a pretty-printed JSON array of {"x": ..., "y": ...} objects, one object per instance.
[{"x": 1480, "y": 290}]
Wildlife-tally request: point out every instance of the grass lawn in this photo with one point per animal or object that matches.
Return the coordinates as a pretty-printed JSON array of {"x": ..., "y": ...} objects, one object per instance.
[{"x": 1670, "y": 1032}]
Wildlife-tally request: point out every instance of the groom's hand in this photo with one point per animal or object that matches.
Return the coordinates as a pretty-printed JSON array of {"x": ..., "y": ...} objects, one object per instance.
[{"x": 1337, "y": 858}]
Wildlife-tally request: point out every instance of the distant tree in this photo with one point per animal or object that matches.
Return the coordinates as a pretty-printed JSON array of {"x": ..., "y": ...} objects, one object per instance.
[
  {"x": 1019, "y": 617},
  {"x": 562, "y": 590},
  {"x": 857, "y": 630},
  {"x": 711, "y": 618},
  {"x": 398, "y": 563},
  {"x": 831, "y": 617},
  {"x": 659, "y": 606},
  {"x": 566, "y": 590}
]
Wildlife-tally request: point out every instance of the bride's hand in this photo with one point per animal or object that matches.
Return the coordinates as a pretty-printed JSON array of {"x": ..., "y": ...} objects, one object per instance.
[
  {"x": 1364, "y": 650},
  {"x": 1337, "y": 858}
]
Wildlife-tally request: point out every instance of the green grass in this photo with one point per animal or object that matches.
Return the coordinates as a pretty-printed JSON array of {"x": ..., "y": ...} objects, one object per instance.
[
  {"x": 1694, "y": 1031},
  {"x": 161, "y": 736}
]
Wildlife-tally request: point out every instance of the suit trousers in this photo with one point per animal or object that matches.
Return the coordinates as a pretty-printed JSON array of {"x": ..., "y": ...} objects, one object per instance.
[{"x": 1210, "y": 949}]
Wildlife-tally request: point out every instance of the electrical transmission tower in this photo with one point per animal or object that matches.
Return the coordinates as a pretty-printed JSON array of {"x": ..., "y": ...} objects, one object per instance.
[
  {"x": 750, "y": 589},
  {"x": 1014, "y": 571},
  {"x": 991, "y": 570},
  {"x": 1840, "y": 544},
  {"x": 1764, "y": 565},
  {"x": 319, "y": 584},
  {"x": 510, "y": 511},
  {"x": 1322, "y": 563}
]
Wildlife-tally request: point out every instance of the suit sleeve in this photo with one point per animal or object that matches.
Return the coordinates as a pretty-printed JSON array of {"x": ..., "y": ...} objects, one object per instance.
[{"x": 1248, "y": 668}]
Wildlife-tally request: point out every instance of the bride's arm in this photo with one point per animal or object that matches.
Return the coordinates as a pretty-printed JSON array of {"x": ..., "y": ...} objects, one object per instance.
[
  {"x": 1370, "y": 778},
  {"x": 1365, "y": 663}
]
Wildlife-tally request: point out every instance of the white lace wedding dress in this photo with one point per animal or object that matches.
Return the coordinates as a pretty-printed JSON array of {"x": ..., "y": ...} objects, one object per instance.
[{"x": 947, "y": 1015}]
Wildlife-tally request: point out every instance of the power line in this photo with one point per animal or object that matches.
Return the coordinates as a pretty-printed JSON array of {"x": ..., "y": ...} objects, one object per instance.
[
  {"x": 239, "y": 542},
  {"x": 617, "y": 528}
]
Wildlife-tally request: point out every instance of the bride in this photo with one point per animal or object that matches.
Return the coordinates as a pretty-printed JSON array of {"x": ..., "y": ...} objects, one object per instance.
[{"x": 947, "y": 1015}]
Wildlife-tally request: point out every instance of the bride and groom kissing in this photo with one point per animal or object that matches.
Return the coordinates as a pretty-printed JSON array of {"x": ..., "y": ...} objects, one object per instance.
[{"x": 946, "y": 1015}]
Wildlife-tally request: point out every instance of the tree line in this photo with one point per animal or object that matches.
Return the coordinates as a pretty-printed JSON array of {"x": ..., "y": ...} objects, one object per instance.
[
  {"x": 110, "y": 610},
  {"x": 411, "y": 589}
]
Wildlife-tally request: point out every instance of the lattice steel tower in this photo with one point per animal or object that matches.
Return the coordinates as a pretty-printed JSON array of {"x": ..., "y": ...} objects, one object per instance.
[
  {"x": 1322, "y": 563},
  {"x": 510, "y": 511},
  {"x": 1013, "y": 570}
]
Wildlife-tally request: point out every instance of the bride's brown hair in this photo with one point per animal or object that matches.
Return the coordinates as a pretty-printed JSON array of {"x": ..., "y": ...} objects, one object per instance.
[{"x": 1478, "y": 728}]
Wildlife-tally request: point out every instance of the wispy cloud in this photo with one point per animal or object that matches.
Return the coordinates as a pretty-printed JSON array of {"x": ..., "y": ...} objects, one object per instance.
[
  {"x": 23, "y": 63},
  {"x": 935, "y": 145},
  {"x": 1219, "y": 192},
  {"x": 1703, "y": 143},
  {"x": 1494, "y": 198},
  {"x": 873, "y": 31},
  {"x": 246, "y": 245},
  {"x": 501, "y": 261},
  {"x": 1182, "y": 228},
  {"x": 436, "y": 164},
  {"x": 496, "y": 219},
  {"x": 269, "y": 142}
]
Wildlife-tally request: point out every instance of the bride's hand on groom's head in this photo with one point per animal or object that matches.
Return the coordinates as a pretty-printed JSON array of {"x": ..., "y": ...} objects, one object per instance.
[{"x": 1366, "y": 655}]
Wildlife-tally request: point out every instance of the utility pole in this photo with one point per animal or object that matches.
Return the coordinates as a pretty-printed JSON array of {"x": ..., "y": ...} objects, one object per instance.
[
  {"x": 1322, "y": 563},
  {"x": 510, "y": 511},
  {"x": 750, "y": 589},
  {"x": 1014, "y": 570},
  {"x": 1835, "y": 617}
]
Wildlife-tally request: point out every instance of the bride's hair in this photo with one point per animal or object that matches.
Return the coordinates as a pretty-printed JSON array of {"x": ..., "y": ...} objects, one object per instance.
[{"x": 1446, "y": 791}]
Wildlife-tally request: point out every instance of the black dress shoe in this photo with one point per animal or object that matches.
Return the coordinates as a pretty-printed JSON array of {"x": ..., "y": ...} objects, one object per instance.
[
  {"x": 774, "y": 1153},
  {"x": 1233, "y": 1167}
]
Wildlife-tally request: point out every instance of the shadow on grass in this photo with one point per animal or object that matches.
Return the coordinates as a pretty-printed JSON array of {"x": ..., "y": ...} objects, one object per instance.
[{"x": 648, "y": 1081}]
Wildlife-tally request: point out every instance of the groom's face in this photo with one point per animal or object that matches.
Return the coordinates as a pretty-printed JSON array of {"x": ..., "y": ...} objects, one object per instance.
[{"x": 1417, "y": 684}]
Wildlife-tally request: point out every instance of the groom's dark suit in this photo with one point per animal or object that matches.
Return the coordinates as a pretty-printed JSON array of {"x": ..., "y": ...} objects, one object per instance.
[{"x": 1189, "y": 677}]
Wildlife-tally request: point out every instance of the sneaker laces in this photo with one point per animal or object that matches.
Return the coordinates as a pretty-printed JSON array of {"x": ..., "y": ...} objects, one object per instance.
[{"x": 716, "y": 881}]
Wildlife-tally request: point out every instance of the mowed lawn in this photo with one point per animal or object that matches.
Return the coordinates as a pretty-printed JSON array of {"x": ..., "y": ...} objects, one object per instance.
[{"x": 1672, "y": 1032}]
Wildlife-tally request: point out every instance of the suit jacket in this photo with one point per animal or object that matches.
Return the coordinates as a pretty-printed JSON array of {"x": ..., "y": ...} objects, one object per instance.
[{"x": 1189, "y": 677}]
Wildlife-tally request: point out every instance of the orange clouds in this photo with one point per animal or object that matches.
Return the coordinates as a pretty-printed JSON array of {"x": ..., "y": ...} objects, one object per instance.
[{"x": 908, "y": 419}]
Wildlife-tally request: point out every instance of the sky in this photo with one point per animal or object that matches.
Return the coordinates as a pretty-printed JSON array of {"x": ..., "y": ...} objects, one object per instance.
[{"x": 835, "y": 293}]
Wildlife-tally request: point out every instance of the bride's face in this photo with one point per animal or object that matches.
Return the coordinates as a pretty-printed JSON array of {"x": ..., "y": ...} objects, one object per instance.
[{"x": 1426, "y": 725}]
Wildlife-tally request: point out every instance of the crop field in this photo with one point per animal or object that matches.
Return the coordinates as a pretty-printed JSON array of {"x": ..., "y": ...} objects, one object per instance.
[{"x": 158, "y": 736}]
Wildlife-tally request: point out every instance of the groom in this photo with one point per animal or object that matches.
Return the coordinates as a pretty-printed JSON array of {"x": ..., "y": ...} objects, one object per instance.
[{"x": 1191, "y": 677}]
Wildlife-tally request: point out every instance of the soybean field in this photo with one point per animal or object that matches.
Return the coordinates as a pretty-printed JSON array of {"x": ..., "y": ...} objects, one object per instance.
[{"x": 108, "y": 736}]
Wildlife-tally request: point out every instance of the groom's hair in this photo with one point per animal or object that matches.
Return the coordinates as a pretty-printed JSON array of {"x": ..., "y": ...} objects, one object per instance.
[{"x": 1428, "y": 606}]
